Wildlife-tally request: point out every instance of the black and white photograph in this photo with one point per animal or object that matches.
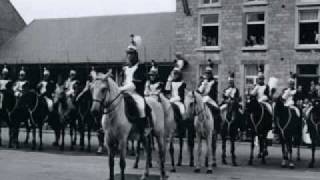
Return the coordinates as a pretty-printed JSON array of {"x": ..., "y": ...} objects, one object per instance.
[{"x": 159, "y": 89}]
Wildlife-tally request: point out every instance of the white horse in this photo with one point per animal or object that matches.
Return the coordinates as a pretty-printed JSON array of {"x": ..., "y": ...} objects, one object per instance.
[
  {"x": 106, "y": 95},
  {"x": 204, "y": 127}
]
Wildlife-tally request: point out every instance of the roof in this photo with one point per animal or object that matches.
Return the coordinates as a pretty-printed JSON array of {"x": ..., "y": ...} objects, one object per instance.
[{"x": 91, "y": 39}]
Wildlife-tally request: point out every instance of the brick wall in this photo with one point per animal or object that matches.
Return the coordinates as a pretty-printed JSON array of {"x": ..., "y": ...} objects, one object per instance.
[
  {"x": 280, "y": 56},
  {"x": 10, "y": 21}
]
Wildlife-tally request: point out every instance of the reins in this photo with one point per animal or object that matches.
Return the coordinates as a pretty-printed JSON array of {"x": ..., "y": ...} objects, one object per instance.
[
  {"x": 286, "y": 125},
  {"x": 260, "y": 120}
]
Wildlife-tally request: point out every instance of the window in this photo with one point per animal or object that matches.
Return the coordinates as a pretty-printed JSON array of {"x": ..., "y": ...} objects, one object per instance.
[
  {"x": 251, "y": 73},
  {"x": 255, "y": 29},
  {"x": 309, "y": 27},
  {"x": 256, "y": 0},
  {"x": 210, "y": 30},
  {"x": 209, "y": 1},
  {"x": 307, "y": 73}
]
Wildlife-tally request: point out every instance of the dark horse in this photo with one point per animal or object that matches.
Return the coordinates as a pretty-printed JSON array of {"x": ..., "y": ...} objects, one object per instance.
[
  {"x": 313, "y": 122},
  {"x": 35, "y": 110},
  {"x": 259, "y": 123},
  {"x": 232, "y": 120},
  {"x": 287, "y": 125},
  {"x": 68, "y": 115},
  {"x": 8, "y": 104}
]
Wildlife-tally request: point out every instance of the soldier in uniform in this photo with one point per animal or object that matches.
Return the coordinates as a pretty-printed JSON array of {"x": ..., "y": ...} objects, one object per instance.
[
  {"x": 5, "y": 83},
  {"x": 176, "y": 88},
  {"x": 71, "y": 84},
  {"x": 232, "y": 92},
  {"x": 21, "y": 85},
  {"x": 262, "y": 91},
  {"x": 45, "y": 88},
  {"x": 153, "y": 86},
  {"x": 208, "y": 88},
  {"x": 134, "y": 83},
  {"x": 289, "y": 95}
]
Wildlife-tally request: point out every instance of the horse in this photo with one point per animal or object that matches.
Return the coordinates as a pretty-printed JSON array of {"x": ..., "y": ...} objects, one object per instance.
[
  {"x": 8, "y": 104},
  {"x": 259, "y": 121},
  {"x": 117, "y": 126},
  {"x": 36, "y": 109},
  {"x": 204, "y": 128},
  {"x": 287, "y": 125},
  {"x": 313, "y": 123},
  {"x": 86, "y": 119},
  {"x": 232, "y": 120},
  {"x": 67, "y": 115}
]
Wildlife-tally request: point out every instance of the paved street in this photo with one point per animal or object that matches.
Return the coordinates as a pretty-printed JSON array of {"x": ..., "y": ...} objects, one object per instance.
[{"x": 52, "y": 164}]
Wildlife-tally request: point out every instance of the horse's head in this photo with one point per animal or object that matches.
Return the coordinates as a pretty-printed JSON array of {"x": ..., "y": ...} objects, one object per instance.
[
  {"x": 192, "y": 103},
  {"x": 100, "y": 90},
  {"x": 59, "y": 94},
  {"x": 251, "y": 103}
]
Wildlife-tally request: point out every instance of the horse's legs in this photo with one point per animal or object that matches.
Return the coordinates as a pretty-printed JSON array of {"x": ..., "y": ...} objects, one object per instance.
[
  {"x": 40, "y": 137},
  {"x": 136, "y": 164},
  {"x": 284, "y": 152},
  {"x": 123, "y": 152},
  {"x": 82, "y": 133},
  {"x": 146, "y": 145},
  {"x": 180, "y": 149},
  {"x": 111, "y": 162},
  {"x": 191, "y": 133},
  {"x": 291, "y": 164},
  {"x": 0, "y": 133},
  {"x": 34, "y": 136},
  {"x": 28, "y": 130},
  {"x": 252, "y": 149},
  {"x": 209, "y": 153},
  {"x": 232, "y": 150},
  {"x": 214, "y": 150},
  {"x": 10, "y": 137},
  {"x": 199, "y": 150},
  {"x": 171, "y": 150},
  {"x": 263, "y": 147},
  {"x": 89, "y": 138},
  {"x": 100, "y": 135},
  {"x": 313, "y": 149},
  {"x": 161, "y": 151},
  {"x": 62, "y": 138},
  {"x": 223, "y": 146}
]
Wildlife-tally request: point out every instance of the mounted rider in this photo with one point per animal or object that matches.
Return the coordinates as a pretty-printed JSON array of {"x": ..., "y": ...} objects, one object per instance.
[
  {"x": 289, "y": 95},
  {"x": 46, "y": 88},
  {"x": 134, "y": 82},
  {"x": 153, "y": 85},
  {"x": 208, "y": 89},
  {"x": 262, "y": 91},
  {"x": 21, "y": 85},
  {"x": 175, "y": 86},
  {"x": 5, "y": 83},
  {"x": 71, "y": 84},
  {"x": 230, "y": 93}
]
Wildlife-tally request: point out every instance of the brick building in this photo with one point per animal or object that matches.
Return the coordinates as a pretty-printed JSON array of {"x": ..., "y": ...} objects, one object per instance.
[
  {"x": 10, "y": 21},
  {"x": 241, "y": 35}
]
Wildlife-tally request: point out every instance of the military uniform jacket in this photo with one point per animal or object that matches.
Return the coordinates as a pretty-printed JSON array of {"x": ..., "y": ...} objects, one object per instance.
[
  {"x": 4, "y": 83},
  {"x": 153, "y": 88},
  {"x": 261, "y": 91},
  {"x": 289, "y": 95},
  {"x": 137, "y": 75},
  {"x": 231, "y": 92},
  {"x": 45, "y": 88},
  {"x": 177, "y": 90},
  {"x": 209, "y": 88}
]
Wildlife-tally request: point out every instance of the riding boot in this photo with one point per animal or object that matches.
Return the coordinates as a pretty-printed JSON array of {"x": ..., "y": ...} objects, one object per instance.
[{"x": 148, "y": 121}]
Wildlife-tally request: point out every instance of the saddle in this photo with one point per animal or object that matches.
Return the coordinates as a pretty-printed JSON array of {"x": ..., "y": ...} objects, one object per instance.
[{"x": 132, "y": 112}]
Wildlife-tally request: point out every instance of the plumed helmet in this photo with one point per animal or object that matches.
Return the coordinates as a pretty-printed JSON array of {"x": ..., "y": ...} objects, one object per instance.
[
  {"x": 22, "y": 71},
  {"x": 135, "y": 43},
  {"x": 154, "y": 68},
  {"x": 46, "y": 71},
  {"x": 73, "y": 72},
  {"x": 231, "y": 76},
  {"x": 292, "y": 78},
  {"x": 260, "y": 73},
  {"x": 209, "y": 67},
  {"x": 5, "y": 70}
]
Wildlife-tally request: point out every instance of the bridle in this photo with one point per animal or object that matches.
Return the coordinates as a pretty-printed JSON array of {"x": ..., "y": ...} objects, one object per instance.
[
  {"x": 106, "y": 106},
  {"x": 260, "y": 119},
  {"x": 282, "y": 129}
]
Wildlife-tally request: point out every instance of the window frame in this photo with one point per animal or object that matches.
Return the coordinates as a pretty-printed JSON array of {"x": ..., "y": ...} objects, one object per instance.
[
  {"x": 211, "y": 4},
  {"x": 245, "y": 30},
  {"x": 307, "y": 2},
  {"x": 297, "y": 28},
  {"x": 255, "y": 2},
  {"x": 200, "y": 25}
]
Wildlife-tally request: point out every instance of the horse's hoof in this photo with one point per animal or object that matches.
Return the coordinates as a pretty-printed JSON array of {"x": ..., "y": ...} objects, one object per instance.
[
  {"x": 234, "y": 164},
  {"x": 144, "y": 177},
  {"x": 250, "y": 162},
  {"x": 224, "y": 162},
  {"x": 71, "y": 148},
  {"x": 99, "y": 151},
  {"x": 291, "y": 166},
  {"x": 179, "y": 164},
  {"x": 209, "y": 171},
  {"x": 311, "y": 165},
  {"x": 214, "y": 165},
  {"x": 298, "y": 159},
  {"x": 88, "y": 150},
  {"x": 10, "y": 146},
  {"x": 55, "y": 144},
  {"x": 197, "y": 170},
  {"x": 191, "y": 164},
  {"x": 263, "y": 161},
  {"x": 150, "y": 165},
  {"x": 81, "y": 149},
  {"x": 173, "y": 170},
  {"x": 33, "y": 148}
]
